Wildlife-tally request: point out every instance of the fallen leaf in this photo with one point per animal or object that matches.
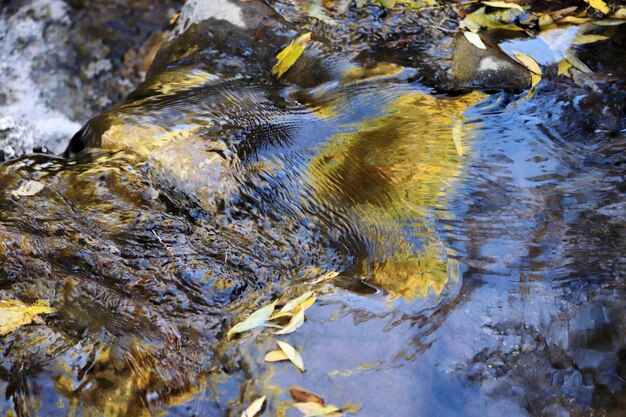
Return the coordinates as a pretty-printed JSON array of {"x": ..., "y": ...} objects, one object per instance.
[
  {"x": 292, "y": 354},
  {"x": 294, "y": 324},
  {"x": 608, "y": 22},
  {"x": 305, "y": 305},
  {"x": 503, "y": 5},
  {"x": 304, "y": 396},
  {"x": 474, "y": 39},
  {"x": 532, "y": 66},
  {"x": 325, "y": 411},
  {"x": 326, "y": 276},
  {"x": 599, "y": 5},
  {"x": 14, "y": 314},
  {"x": 288, "y": 56},
  {"x": 276, "y": 356},
  {"x": 256, "y": 319},
  {"x": 295, "y": 302},
  {"x": 254, "y": 408},
  {"x": 620, "y": 14},
  {"x": 574, "y": 20},
  {"x": 577, "y": 63},
  {"x": 174, "y": 19},
  {"x": 584, "y": 39},
  {"x": 280, "y": 315},
  {"x": 28, "y": 188},
  {"x": 564, "y": 66},
  {"x": 307, "y": 407}
]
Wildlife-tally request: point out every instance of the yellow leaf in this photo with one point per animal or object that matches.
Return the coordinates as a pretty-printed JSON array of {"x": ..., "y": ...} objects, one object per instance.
[
  {"x": 577, "y": 63},
  {"x": 546, "y": 21},
  {"x": 620, "y": 14},
  {"x": 295, "y": 302},
  {"x": 474, "y": 39},
  {"x": 583, "y": 39},
  {"x": 254, "y": 408},
  {"x": 564, "y": 66},
  {"x": 288, "y": 56},
  {"x": 14, "y": 314},
  {"x": 599, "y": 5},
  {"x": 325, "y": 411},
  {"x": 276, "y": 356},
  {"x": 532, "y": 66},
  {"x": 326, "y": 276},
  {"x": 503, "y": 5},
  {"x": 574, "y": 20},
  {"x": 256, "y": 319},
  {"x": 281, "y": 315},
  {"x": 608, "y": 22},
  {"x": 294, "y": 324},
  {"x": 174, "y": 19},
  {"x": 292, "y": 354},
  {"x": 306, "y": 304}
]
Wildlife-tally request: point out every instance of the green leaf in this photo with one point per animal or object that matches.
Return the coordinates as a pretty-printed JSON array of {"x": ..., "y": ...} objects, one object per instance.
[
  {"x": 256, "y": 319},
  {"x": 288, "y": 56},
  {"x": 292, "y": 354}
]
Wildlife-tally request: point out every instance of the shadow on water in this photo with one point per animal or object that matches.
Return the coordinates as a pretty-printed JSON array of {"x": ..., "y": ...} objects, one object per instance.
[{"x": 479, "y": 241}]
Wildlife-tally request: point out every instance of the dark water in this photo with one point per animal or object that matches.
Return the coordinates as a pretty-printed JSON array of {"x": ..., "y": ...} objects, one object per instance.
[{"x": 479, "y": 240}]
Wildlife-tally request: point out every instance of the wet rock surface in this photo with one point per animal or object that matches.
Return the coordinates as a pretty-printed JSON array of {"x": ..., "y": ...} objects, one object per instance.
[{"x": 479, "y": 238}]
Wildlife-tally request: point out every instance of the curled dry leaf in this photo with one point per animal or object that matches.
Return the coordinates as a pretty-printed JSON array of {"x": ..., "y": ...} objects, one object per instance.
[
  {"x": 599, "y": 5},
  {"x": 294, "y": 324},
  {"x": 295, "y": 302},
  {"x": 503, "y": 5},
  {"x": 256, "y": 319},
  {"x": 255, "y": 407},
  {"x": 474, "y": 39},
  {"x": 306, "y": 304},
  {"x": 531, "y": 65},
  {"x": 288, "y": 56},
  {"x": 304, "y": 396},
  {"x": 292, "y": 354},
  {"x": 276, "y": 356}
]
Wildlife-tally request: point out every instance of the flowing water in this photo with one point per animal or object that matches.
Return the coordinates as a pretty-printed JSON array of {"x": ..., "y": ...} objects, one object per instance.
[{"x": 478, "y": 238}]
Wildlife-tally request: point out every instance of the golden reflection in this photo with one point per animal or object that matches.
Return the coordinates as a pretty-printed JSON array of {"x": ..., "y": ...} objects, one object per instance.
[{"x": 390, "y": 171}]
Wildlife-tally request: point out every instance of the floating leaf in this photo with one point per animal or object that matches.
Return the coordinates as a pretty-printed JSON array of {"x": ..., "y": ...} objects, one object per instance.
[
  {"x": 503, "y": 5},
  {"x": 479, "y": 19},
  {"x": 292, "y": 354},
  {"x": 255, "y": 407},
  {"x": 326, "y": 276},
  {"x": 599, "y": 5},
  {"x": 14, "y": 314},
  {"x": 532, "y": 66},
  {"x": 256, "y": 319},
  {"x": 304, "y": 396},
  {"x": 583, "y": 39},
  {"x": 577, "y": 63},
  {"x": 307, "y": 407},
  {"x": 305, "y": 305},
  {"x": 276, "y": 356},
  {"x": 295, "y": 302},
  {"x": 288, "y": 56},
  {"x": 281, "y": 315},
  {"x": 564, "y": 66},
  {"x": 28, "y": 188},
  {"x": 474, "y": 39},
  {"x": 574, "y": 20},
  {"x": 620, "y": 14},
  {"x": 327, "y": 410},
  {"x": 294, "y": 324},
  {"x": 608, "y": 22}
]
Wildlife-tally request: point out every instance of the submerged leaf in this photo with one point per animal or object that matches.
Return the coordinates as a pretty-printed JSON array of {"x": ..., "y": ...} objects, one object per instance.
[
  {"x": 276, "y": 356},
  {"x": 577, "y": 63},
  {"x": 28, "y": 188},
  {"x": 307, "y": 407},
  {"x": 503, "y": 5},
  {"x": 256, "y": 319},
  {"x": 532, "y": 66},
  {"x": 254, "y": 408},
  {"x": 325, "y": 411},
  {"x": 294, "y": 324},
  {"x": 295, "y": 302},
  {"x": 14, "y": 314},
  {"x": 292, "y": 354},
  {"x": 304, "y": 396},
  {"x": 288, "y": 56},
  {"x": 474, "y": 39},
  {"x": 599, "y": 5},
  {"x": 584, "y": 39}
]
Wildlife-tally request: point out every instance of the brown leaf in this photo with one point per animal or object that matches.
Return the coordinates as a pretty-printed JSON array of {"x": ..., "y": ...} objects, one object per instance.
[{"x": 301, "y": 395}]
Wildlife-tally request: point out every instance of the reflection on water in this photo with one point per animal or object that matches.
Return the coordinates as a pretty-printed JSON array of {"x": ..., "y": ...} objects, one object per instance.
[{"x": 479, "y": 241}]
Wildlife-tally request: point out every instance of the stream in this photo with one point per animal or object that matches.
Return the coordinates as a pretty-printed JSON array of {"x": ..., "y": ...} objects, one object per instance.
[{"x": 474, "y": 237}]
